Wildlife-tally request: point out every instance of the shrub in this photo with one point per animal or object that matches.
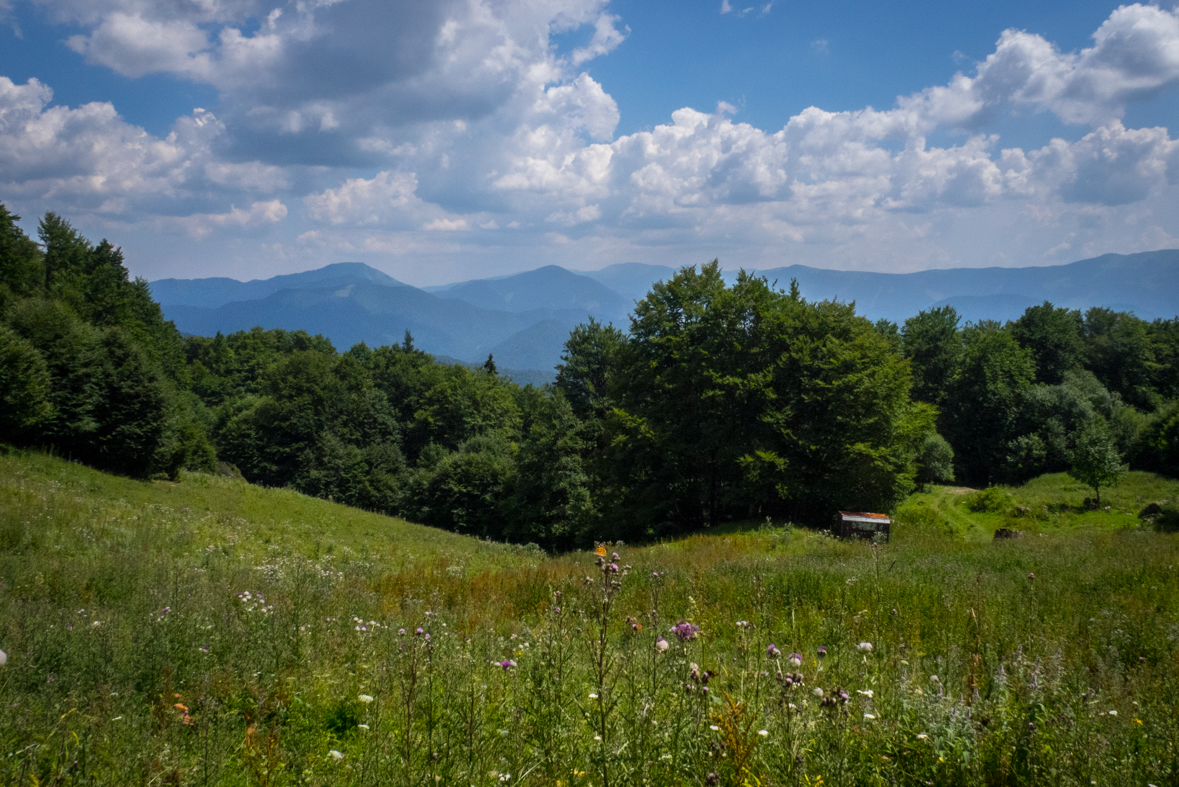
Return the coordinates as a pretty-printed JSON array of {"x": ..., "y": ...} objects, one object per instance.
[
  {"x": 1167, "y": 520},
  {"x": 989, "y": 501}
]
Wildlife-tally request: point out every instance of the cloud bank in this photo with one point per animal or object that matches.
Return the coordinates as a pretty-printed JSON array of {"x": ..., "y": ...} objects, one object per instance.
[{"x": 441, "y": 138}]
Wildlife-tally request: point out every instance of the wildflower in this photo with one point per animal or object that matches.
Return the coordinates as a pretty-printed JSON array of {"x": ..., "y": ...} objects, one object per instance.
[
  {"x": 685, "y": 631},
  {"x": 401, "y": 632},
  {"x": 795, "y": 660},
  {"x": 420, "y": 631},
  {"x": 1113, "y": 713},
  {"x": 1031, "y": 575},
  {"x": 365, "y": 698},
  {"x": 922, "y": 736},
  {"x": 818, "y": 692},
  {"x": 933, "y": 679},
  {"x": 3, "y": 658},
  {"x": 822, "y": 652},
  {"x": 866, "y": 692},
  {"x": 865, "y": 647},
  {"x": 764, "y": 733},
  {"x": 593, "y": 696},
  {"x": 662, "y": 645},
  {"x": 773, "y": 652},
  {"x": 869, "y": 717},
  {"x": 362, "y": 726},
  {"x": 205, "y": 648},
  {"x": 336, "y": 755},
  {"x": 714, "y": 728},
  {"x": 712, "y": 779},
  {"x": 507, "y": 664}
]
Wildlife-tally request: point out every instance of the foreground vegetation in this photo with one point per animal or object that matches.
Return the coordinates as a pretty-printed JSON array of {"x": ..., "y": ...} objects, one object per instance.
[{"x": 210, "y": 632}]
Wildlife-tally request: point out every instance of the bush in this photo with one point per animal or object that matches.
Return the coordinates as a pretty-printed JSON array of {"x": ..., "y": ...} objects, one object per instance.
[
  {"x": 935, "y": 461},
  {"x": 1167, "y": 520},
  {"x": 989, "y": 501}
]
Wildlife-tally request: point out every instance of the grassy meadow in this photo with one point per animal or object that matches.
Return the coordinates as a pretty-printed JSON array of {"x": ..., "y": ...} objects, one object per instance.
[{"x": 208, "y": 632}]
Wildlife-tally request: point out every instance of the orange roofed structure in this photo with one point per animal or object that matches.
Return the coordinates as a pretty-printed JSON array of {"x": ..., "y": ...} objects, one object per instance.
[{"x": 861, "y": 524}]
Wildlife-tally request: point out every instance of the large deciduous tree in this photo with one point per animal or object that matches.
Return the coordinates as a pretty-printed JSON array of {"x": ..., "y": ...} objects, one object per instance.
[
  {"x": 932, "y": 343},
  {"x": 745, "y": 400},
  {"x": 983, "y": 407},
  {"x": 1053, "y": 336}
]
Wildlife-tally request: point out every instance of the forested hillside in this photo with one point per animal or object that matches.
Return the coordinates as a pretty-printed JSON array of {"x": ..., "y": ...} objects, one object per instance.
[{"x": 719, "y": 402}]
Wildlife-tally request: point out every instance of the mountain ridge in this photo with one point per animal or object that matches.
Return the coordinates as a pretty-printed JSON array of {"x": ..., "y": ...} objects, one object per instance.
[{"x": 526, "y": 317}]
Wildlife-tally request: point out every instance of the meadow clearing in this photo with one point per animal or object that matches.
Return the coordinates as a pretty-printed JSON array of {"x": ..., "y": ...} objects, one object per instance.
[{"x": 208, "y": 632}]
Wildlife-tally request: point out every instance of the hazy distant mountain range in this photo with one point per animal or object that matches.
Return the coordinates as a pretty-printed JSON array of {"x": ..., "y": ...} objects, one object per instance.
[{"x": 524, "y": 320}]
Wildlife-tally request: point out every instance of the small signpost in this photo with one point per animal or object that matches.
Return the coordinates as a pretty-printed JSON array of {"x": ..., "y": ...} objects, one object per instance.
[{"x": 859, "y": 524}]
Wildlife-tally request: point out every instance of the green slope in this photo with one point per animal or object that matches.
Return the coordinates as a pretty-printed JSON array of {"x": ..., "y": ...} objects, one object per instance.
[{"x": 209, "y": 632}]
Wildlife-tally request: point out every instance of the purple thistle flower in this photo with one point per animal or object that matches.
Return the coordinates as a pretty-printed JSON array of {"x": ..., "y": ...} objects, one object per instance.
[
  {"x": 420, "y": 631},
  {"x": 795, "y": 659},
  {"x": 685, "y": 631},
  {"x": 822, "y": 651},
  {"x": 507, "y": 665},
  {"x": 773, "y": 652}
]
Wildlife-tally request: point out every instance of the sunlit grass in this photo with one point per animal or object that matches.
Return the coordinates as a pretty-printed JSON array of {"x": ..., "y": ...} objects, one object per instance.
[{"x": 209, "y": 632}]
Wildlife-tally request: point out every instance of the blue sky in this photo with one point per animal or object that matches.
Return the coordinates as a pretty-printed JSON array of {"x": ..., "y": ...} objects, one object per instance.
[{"x": 450, "y": 139}]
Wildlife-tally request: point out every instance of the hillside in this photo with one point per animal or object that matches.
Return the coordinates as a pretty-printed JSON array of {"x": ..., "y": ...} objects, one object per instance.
[{"x": 211, "y": 632}]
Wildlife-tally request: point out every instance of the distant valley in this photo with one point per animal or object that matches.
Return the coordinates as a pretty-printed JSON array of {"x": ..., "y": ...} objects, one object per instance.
[{"x": 524, "y": 320}]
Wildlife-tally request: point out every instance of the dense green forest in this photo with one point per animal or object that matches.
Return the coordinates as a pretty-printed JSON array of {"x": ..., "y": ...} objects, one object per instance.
[{"x": 716, "y": 403}]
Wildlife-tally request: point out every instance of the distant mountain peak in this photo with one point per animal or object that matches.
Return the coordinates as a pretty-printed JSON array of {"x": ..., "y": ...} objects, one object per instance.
[{"x": 211, "y": 293}]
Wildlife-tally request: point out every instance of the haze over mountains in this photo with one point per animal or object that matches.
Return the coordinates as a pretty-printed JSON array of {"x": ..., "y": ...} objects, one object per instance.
[{"x": 524, "y": 320}]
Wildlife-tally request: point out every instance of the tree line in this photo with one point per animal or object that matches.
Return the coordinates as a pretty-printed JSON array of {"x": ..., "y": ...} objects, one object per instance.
[{"x": 718, "y": 403}]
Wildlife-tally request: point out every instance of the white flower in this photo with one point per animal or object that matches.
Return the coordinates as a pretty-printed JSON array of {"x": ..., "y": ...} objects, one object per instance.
[
  {"x": 795, "y": 662},
  {"x": 866, "y": 647},
  {"x": 922, "y": 736},
  {"x": 933, "y": 679},
  {"x": 764, "y": 733},
  {"x": 713, "y": 727},
  {"x": 661, "y": 644},
  {"x": 597, "y": 737},
  {"x": 593, "y": 696},
  {"x": 365, "y": 698},
  {"x": 869, "y": 717},
  {"x": 362, "y": 726},
  {"x": 818, "y": 692},
  {"x": 3, "y": 658},
  {"x": 1113, "y": 713},
  {"x": 336, "y": 755}
]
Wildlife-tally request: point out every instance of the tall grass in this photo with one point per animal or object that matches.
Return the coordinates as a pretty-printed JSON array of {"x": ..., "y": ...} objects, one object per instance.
[{"x": 208, "y": 632}]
